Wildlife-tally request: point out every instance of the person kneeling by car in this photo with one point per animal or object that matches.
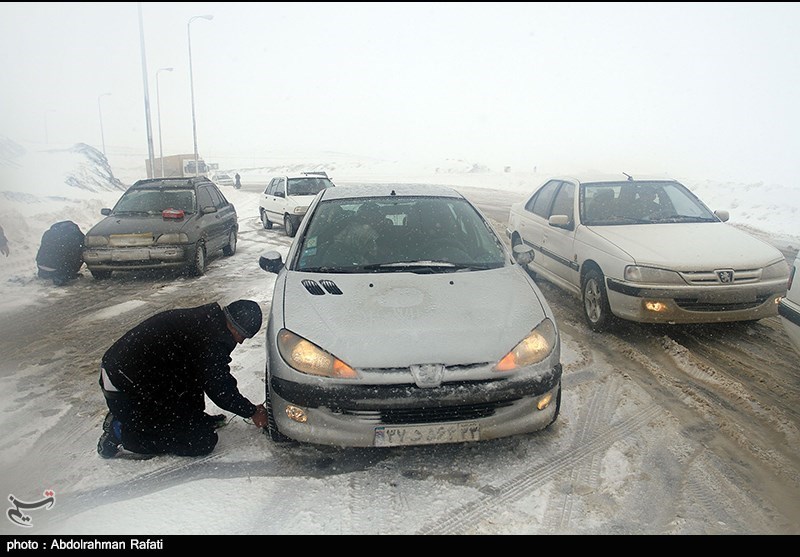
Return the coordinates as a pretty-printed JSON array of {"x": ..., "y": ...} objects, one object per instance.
[{"x": 155, "y": 377}]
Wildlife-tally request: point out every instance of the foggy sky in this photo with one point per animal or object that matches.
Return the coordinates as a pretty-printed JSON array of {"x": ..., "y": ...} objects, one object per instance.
[{"x": 701, "y": 89}]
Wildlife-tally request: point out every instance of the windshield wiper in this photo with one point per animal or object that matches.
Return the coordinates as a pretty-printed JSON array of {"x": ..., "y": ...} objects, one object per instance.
[
  {"x": 423, "y": 266},
  {"x": 684, "y": 218}
]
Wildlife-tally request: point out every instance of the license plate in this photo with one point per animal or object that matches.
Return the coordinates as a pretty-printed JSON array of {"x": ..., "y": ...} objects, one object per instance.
[
  {"x": 131, "y": 255},
  {"x": 394, "y": 436}
]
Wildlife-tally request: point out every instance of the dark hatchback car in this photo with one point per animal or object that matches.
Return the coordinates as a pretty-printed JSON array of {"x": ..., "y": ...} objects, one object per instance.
[{"x": 162, "y": 223}]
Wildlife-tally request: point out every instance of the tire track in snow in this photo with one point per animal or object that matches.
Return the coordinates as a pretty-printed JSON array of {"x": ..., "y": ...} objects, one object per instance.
[{"x": 516, "y": 488}]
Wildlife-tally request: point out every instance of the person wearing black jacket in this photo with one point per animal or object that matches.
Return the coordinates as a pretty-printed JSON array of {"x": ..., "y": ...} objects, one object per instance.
[{"x": 155, "y": 378}]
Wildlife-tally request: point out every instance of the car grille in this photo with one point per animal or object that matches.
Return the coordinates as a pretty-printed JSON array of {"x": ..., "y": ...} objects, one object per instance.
[
  {"x": 130, "y": 240},
  {"x": 428, "y": 414},
  {"x": 705, "y": 278},
  {"x": 692, "y": 304}
]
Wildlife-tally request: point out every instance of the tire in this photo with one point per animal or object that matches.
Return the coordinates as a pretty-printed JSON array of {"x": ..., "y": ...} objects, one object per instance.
[
  {"x": 100, "y": 275},
  {"x": 289, "y": 226},
  {"x": 230, "y": 249},
  {"x": 596, "y": 309},
  {"x": 558, "y": 406},
  {"x": 271, "y": 430},
  {"x": 265, "y": 220},
  {"x": 197, "y": 267}
]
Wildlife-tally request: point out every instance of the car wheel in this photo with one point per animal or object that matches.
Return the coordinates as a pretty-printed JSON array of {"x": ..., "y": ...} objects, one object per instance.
[
  {"x": 100, "y": 275},
  {"x": 272, "y": 428},
  {"x": 595, "y": 301},
  {"x": 558, "y": 405},
  {"x": 198, "y": 265},
  {"x": 289, "y": 227},
  {"x": 230, "y": 249},
  {"x": 265, "y": 220}
]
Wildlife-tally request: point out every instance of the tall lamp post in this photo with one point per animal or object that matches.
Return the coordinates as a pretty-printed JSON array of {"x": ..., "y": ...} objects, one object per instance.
[
  {"x": 158, "y": 111},
  {"x": 191, "y": 85},
  {"x": 100, "y": 112}
]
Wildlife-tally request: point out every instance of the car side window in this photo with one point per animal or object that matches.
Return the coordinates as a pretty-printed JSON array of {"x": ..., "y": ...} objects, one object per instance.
[
  {"x": 271, "y": 187},
  {"x": 204, "y": 198},
  {"x": 564, "y": 203},
  {"x": 216, "y": 197},
  {"x": 280, "y": 187},
  {"x": 540, "y": 203}
]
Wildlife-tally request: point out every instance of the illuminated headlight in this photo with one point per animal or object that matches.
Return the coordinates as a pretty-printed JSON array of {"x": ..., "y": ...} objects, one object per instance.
[
  {"x": 173, "y": 238},
  {"x": 778, "y": 270},
  {"x": 652, "y": 275},
  {"x": 532, "y": 349},
  {"x": 307, "y": 357},
  {"x": 95, "y": 241},
  {"x": 300, "y": 210}
]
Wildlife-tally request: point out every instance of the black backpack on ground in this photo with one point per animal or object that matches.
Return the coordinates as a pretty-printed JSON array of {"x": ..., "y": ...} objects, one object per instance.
[{"x": 60, "y": 254}]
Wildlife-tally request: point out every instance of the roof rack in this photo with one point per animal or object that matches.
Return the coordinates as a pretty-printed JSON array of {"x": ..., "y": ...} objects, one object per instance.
[{"x": 315, "y": 173}]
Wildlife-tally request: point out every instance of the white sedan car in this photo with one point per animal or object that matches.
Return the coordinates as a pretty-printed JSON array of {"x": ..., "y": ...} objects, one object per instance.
[
  {"x": 646, "y": 250},
  {"x": 789, "y": 308}
]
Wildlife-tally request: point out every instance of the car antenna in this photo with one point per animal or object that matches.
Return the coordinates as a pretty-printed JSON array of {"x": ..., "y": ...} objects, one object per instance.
[
  {"x": 393, "y": 193},
  {"x": 630, "y": 178}
]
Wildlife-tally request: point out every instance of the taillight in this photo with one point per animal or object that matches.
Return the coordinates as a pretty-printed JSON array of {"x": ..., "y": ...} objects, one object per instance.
[{"x": 173, "y": 213}]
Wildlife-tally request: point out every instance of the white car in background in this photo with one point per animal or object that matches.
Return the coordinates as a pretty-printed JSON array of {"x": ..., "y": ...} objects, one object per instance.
[
  {"x": 646, "y": 250},
  {"x": 286, "y": 199},
  {"x": 222, "y": 179},
  {"x": 789, "y": 308}
]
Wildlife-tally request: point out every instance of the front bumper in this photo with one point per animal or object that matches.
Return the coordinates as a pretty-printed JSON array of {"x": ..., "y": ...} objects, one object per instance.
[
  {"x": 693, "y": 304},
  {"x": 147, "y": 257},
  {"x": 353, "y": 415}
]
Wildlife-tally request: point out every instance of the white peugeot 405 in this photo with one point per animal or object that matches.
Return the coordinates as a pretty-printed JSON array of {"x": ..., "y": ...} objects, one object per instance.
[
  {"x": 646, "y": 250},
  {"x": 400, "y": 318}
]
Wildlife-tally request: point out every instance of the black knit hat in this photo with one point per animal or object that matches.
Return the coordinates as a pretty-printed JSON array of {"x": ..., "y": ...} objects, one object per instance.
[{"x": 245, "y": 316}]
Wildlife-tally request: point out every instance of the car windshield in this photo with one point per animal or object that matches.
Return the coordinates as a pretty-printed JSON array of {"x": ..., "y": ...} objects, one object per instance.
[
  {"x": 416, "y": 234},
  {"x": 154, "y": 201},
  {"x": 307, "y": 186},
  {"x": 631, "y": 202}
]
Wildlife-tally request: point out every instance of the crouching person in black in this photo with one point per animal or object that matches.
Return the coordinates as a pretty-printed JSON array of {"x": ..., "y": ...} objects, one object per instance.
[{"x": 155, "y": 378}]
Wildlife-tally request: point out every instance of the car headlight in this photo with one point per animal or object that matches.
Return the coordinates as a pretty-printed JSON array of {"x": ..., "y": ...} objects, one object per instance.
[
  {"x": 778, "y": 270},
  {"x": 532, "y": 349},
  {"x": 173, "y": 238},
  {"x": 307, "y": 357},
  {"x": 95, "y": 241},
  {"x": 300, "y": 210},
  {"x": 652, "y": 275}
]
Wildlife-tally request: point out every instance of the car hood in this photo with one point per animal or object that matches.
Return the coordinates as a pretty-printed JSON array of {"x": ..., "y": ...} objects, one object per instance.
[
  {"x": 137, "y": 225},
  {"x": 690, "y": 246},
  {"x": 398, "y": 319}
]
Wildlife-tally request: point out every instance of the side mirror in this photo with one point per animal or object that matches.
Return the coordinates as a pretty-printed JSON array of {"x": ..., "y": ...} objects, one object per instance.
[
  {"x": 523, "y": 254},
  {"x": 559, "y": 221},
  {"x": 208, "y": 209},
  {"x": 271, "y": 261},
  {"x": 722, "y": 215},
  {"x": 279, "y": 194},
  {"x": 105, "y": 211}
]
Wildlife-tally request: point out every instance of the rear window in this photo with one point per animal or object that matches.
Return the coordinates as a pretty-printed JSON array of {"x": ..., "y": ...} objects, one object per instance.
[{"x": 308, "y": 186}]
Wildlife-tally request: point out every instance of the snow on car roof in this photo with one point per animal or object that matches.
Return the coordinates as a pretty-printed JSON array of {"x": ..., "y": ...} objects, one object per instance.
[{"x": 385, "y": 190}]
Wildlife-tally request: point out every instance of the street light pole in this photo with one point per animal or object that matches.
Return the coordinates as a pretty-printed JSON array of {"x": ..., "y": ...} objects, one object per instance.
[
  {"x": 100, "y": 112},
  {"x": 191, "y": 85},
  {"x": 158, "y": 110},
  {"x": 150, "y": 156}
]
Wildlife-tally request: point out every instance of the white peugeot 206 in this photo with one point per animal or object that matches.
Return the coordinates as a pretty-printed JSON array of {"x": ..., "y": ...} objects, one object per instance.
[
  {"x": 400, "y": 318},
  {"x": 646, "y": 250}
]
